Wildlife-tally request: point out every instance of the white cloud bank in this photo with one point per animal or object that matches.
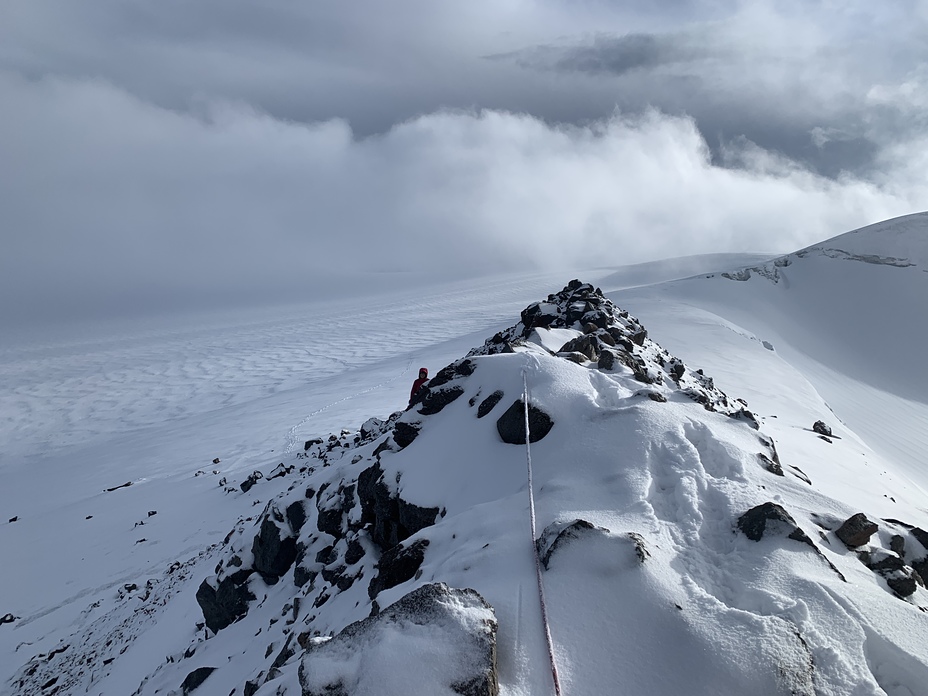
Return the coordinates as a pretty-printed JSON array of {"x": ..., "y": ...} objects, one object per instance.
[{"x": 107, "y": 196}]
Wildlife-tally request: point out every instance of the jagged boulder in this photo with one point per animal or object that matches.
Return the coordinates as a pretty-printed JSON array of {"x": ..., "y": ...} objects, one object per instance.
[
  {"x": 252, "y": 479},
  {"x": 296, "y": 515},
  {"x": 821, "y": 428},
  {"x": 390, "y": 519},
  {"x": 511, "y": 425},
  {"x": 274, "y": 553},
  {"x": 770, "y": 518},
  {"x": 921, "y": 536},
  {"x": 195, "y": 679},
  {"x": 891, "y": 568},
  {"x": 489, "y": 403},
  {"x": 433, "y": 619},
  {"x": 856, "y": 530},
  {"x": 227, "y": 602},
  {"x": 587, "y": 345},
  {"x": 332, "y": 508},
  {"x": 404, "y": 433},
  {"x": 435, "y": 400},
  {"x": 397, "y": 565},
  {"x": 459, "y": 368}
]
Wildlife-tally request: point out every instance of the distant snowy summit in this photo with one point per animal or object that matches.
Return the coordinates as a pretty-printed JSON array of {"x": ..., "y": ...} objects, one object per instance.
[
  {"x": 901, "y": 242},
  {"x": 679, "y": 553}
]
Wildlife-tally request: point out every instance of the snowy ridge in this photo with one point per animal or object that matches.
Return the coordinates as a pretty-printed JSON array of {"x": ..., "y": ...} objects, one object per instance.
[
  {"x": 905, "y": 235},
  {"x": 644, "y": 473}
]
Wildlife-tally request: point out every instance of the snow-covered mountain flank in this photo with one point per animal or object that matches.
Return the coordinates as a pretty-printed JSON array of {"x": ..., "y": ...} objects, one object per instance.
[{"x": 725, "y": 474}]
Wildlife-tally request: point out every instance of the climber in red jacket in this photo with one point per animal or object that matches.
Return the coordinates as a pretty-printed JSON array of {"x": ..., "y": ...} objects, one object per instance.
[{"x": 419, "y": 383}]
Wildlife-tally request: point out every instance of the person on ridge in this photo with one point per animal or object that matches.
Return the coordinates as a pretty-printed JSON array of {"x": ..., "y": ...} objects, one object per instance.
[{"x": 418, "y": 384}]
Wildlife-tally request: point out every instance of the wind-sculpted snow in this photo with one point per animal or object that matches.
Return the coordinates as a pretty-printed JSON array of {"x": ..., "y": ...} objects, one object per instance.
[{"x": 643, "y": 475}]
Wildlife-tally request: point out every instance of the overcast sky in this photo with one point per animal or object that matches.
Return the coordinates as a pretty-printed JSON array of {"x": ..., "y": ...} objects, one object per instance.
[{"x": 169, "y": 152}]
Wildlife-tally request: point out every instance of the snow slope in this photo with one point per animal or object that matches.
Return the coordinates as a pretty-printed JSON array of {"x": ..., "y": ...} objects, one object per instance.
[
  {"x": 849, "y": 314},
  {"x": 85, "y": 408},
  {"x": 708, "y": 611}
]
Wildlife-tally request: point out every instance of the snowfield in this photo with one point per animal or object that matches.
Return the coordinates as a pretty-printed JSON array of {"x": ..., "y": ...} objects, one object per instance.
[{"x": 660, "y": 442}]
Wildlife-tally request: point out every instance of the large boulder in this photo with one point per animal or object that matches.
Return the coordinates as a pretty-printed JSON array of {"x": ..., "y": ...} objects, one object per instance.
[
  {"x": 195, "y": 679},
  {"x": 435, "y": 400},
  {"x": 225, "y": 603},
  {"x": 892, "y": 569},
  {"x": 396, "y": 566},
  {"x": 489, "y": 403},
  {"x": 396, "y": 652},
  {"x": 332, "y": 506},
  {"x": 274, "y": 554},
  {"x": 771, "y": 519},
  {"x": 404, "y": 433},
  {"x": 821, "y": 428},
  {"x": 390, "y": 518},
  {"x": 511, "y": 425},
  {"x": 856, "y": 530}
]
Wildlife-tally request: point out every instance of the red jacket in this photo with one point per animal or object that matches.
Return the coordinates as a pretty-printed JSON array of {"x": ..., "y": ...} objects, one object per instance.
[{"x": 416, "y": 386}]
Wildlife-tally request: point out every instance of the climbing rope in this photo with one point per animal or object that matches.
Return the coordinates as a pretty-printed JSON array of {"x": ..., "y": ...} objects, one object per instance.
[{"x": 531, "y": 505}]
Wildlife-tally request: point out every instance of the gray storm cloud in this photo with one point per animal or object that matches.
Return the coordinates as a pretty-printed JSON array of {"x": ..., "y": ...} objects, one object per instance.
[{"x": 166, "y": 152}]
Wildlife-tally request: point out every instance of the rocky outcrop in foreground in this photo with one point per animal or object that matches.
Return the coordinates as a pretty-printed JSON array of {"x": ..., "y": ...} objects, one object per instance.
[{"x": 433, "y": 620}]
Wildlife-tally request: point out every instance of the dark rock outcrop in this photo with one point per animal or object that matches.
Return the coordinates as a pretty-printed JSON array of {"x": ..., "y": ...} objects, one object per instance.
[
  {"x": 511, "y": 425},
  {"x": 224, "y": 604},
  {"x": 770, "y": 465},
  {"x": 856, "y": 530},
  {"x": 390, "y": 518},
  {"x": 397, "y": 565},
  {"x": 489, "y": 403},
  {"x": 770, "y": 518},
  {"x": 459, "y": 368},
  {"x": 436, "y": 399},
  {"x": 892, "y": 569},
  {"x": 195, "y": 679},
  {"x": 423, "y": 617},
  {"x": 296, "y": 516},
  {"x": 820, "y": 428},
  {"x": 921, "y": 536},
  {"x": 332, "y": 508},
  {"x": 404, "y": 433},
  {"x": 354, "y": 553},
  {"x": 252, "y": 479},
  {"x": 273, "y": 553},
  {"x": 587, "y": 345}
]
